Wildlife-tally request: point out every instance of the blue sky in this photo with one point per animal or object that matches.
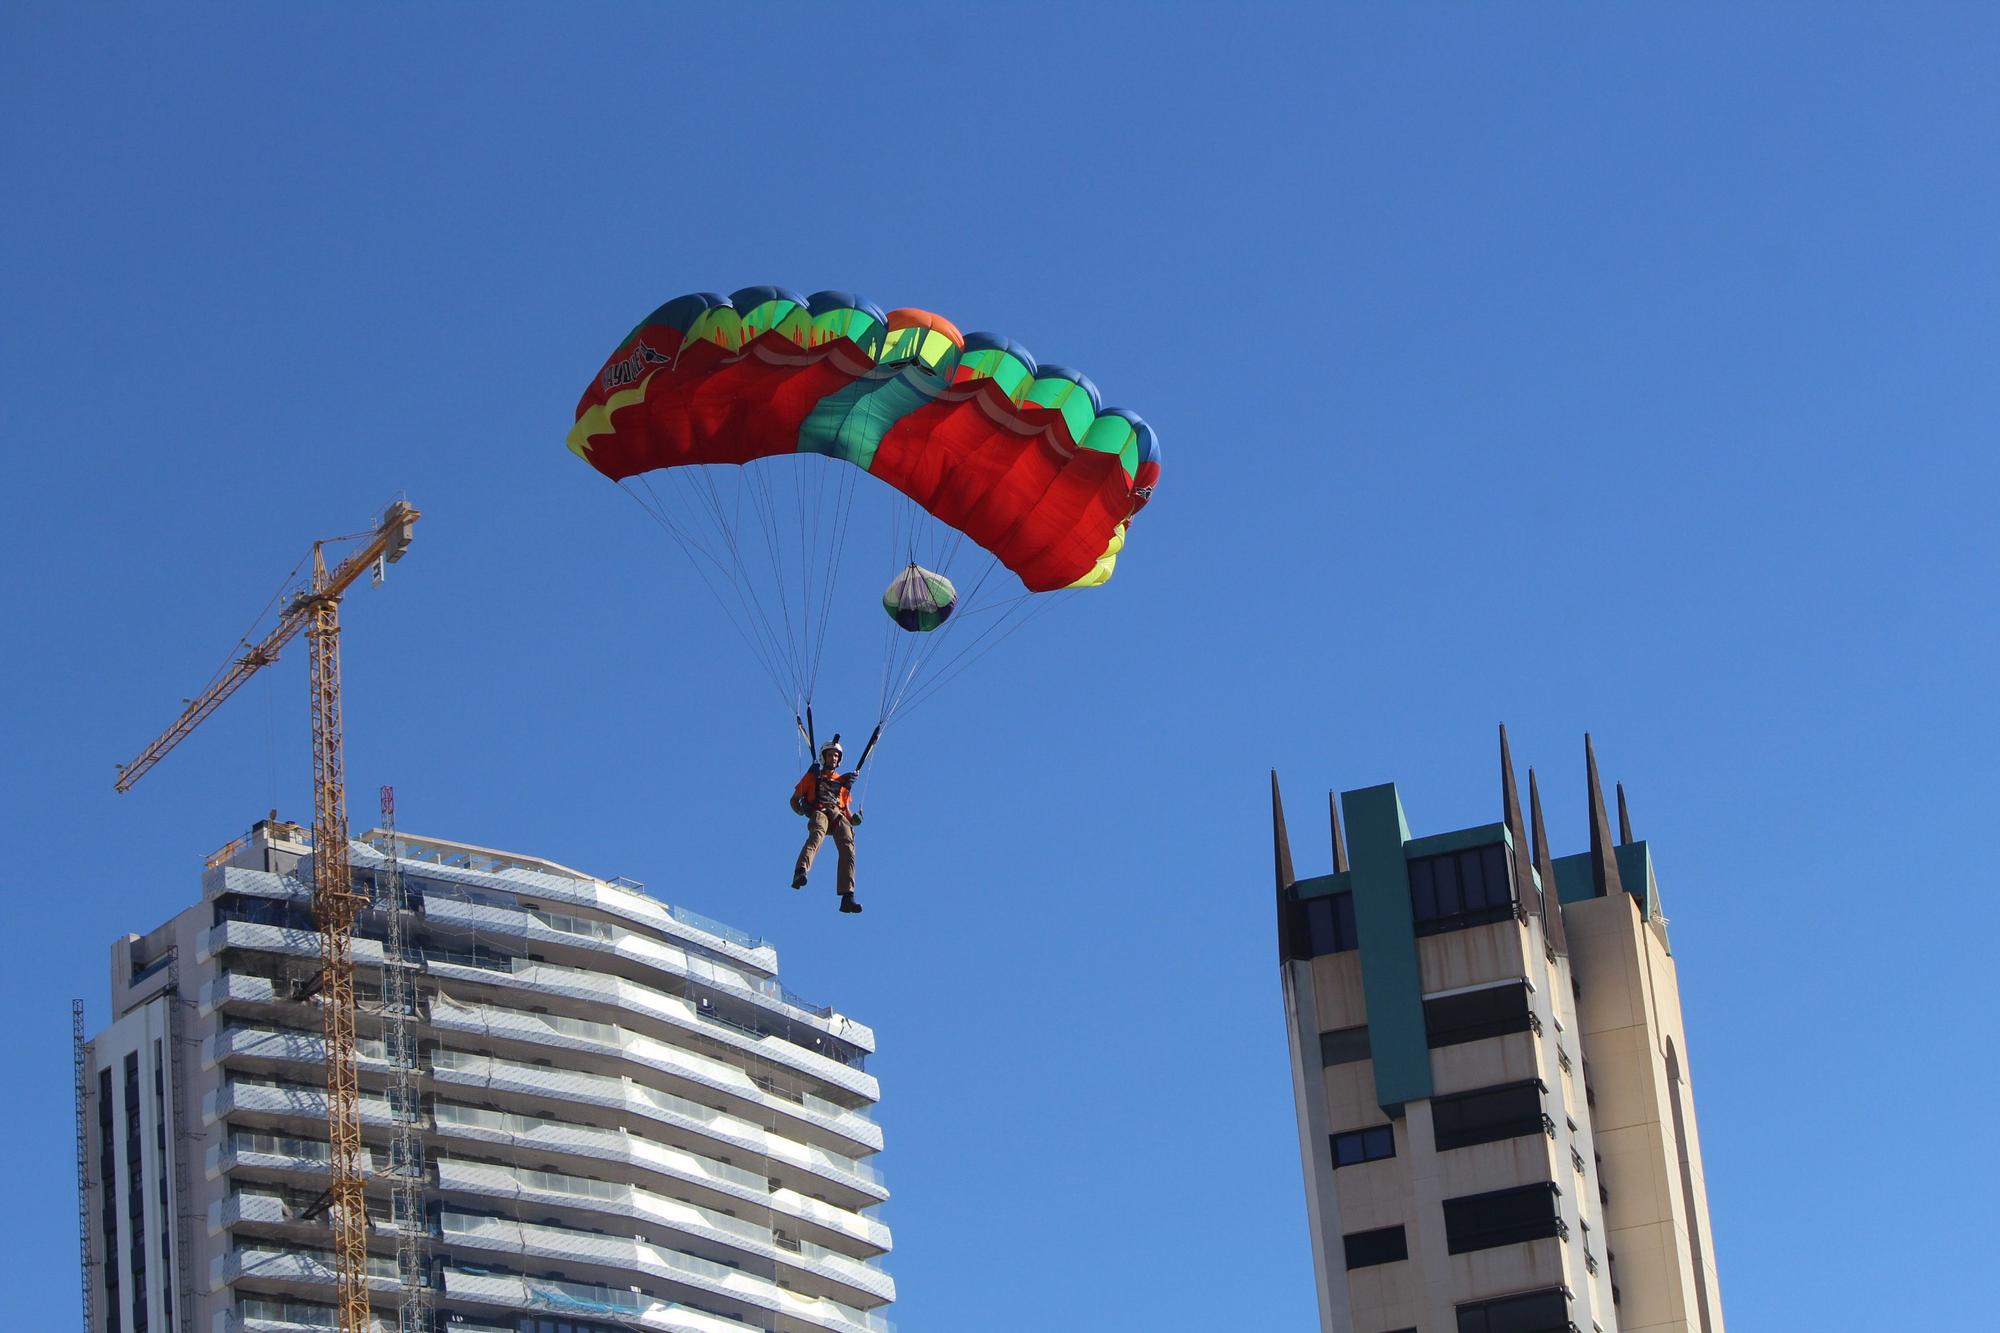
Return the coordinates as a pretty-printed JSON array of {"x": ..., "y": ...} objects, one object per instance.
[{"x": 1569, "y": 366}]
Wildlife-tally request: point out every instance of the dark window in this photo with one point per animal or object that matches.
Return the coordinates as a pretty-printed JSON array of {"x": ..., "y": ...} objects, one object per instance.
[
  {"x": 135, "y": 1184},
  {"x": 1385, "y": 1245},
  {"x": 1324, "y": 925},
  {"x": 1529, "y": 1312},
  {"x": 1503, "y": 1217},
  {"x": 1459, "y": 889},
  {"x": 1489, "y": 1115},
  {"x": 1343, "y": 1046},
  {"x": 1363, "y": 1145},
  {"x": 1492, "y": 1011},
  {"x": 107, "y": 1161}
]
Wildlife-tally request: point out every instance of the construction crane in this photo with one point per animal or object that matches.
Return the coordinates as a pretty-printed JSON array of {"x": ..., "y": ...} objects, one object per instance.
[{"x": 315, "y": 609}]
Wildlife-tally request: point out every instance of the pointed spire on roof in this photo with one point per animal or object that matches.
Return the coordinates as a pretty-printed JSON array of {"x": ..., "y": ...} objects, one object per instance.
[
  {"x": 1510, "y": 812},
  {"x": 1281, "y": 839},
  {"x": 1624, "y": 817},
  {"x": 1545, "y": 867},
  {"x": 1281, "y": 849},
  {"x": 1603, "y": 860},
  {"x": 1339, "y": 845}
]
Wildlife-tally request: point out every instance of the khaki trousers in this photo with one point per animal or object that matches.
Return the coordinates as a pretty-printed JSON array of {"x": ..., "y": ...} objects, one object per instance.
[{"x": 818, "y": 825}]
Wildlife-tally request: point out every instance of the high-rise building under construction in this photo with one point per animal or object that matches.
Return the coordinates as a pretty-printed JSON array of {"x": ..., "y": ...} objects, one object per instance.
[
  {"x": 1495, "y": 1116},
  {"x": 584, "y": 1110}
]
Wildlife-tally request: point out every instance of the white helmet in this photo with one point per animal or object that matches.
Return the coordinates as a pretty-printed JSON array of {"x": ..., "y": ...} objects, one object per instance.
[{"x": 832, "y": 747}]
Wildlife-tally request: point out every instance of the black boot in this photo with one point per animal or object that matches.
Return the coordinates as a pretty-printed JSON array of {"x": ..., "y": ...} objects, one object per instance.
[
  {"x": 847, "y": 903},
  {"x": 798, "y": 881}
]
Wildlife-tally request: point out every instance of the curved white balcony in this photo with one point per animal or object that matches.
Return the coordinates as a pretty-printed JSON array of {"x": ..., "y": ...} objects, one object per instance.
[
  {"x": 265, "y": 1100},
  {"x": 614, "y": 1045},
  {"x": 228, "y": 987},
  {"x": 255, "y": 937},
  {"x": 593, "y": 987},
  {"x": 278, "y": 1154},
  {"x": 281, "y": 1099},
  {"x": 611, "y": 940},
  {"x": 817, "y": 1270},
  {"x": 246, "y": 1209},
  {"x": 421, "y": 861},
  {"x": 617, "y": 1047},
  {"x": 621, "y": 1255},
  {"x": 293, "y": 1267},
  {"x": 240, "y": 1045},
  {"x": 699, "y": 1123},
  {"x": 249, "y": 883},
  {"x": 501, "y": 1129},
  {"x": 267, "y": 1314},
  {"x": 612, "y": 1091},
  {"x": 555, "y": 1299}
]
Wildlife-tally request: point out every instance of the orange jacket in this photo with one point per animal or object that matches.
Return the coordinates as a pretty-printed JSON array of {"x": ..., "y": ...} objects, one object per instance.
[{"x": 806, "y": 794}]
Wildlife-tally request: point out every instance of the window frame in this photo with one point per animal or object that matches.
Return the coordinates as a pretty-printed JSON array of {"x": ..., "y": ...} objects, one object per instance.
[
  {"x": 1367, "y": 1138},
  {"x": 1457, "y": 890}
]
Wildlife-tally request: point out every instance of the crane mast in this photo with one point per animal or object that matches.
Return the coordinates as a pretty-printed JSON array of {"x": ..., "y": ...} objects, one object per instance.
[{"x": 315, "y": 610}]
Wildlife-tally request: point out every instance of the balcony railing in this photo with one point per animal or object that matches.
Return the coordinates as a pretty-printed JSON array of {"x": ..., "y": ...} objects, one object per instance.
[{"x": 530, "y": 1240}]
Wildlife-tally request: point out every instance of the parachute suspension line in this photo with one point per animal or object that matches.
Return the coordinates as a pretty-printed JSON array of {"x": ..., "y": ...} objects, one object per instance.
[
  {"x": 726, "y": 522},
  {"x": 972, "y": 652},
  {"x": 921, "y": 658},
  {"x": 844, "y": 489},
  {"x": 689, "y": 528},
  {"x": 759, "y": 626},
  {"x": 696, "y": 554},
  {"x": 785, "y": 651},
  {"x": 757, "y": 482}
]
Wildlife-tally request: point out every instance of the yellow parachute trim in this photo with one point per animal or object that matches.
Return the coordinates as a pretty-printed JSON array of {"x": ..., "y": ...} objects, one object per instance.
[
  {"x": 1100, "y": 573},
  {"x": 597, "y": 421}
]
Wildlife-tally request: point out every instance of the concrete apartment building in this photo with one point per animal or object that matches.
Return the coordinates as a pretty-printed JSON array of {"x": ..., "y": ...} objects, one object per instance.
[
  {"x": 625, "y": 1121},
  {"x": 1495, "y": 1116}
]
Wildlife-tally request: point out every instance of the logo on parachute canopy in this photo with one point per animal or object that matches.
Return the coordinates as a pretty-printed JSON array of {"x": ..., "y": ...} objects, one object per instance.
[{"x": 632, "y": 367}]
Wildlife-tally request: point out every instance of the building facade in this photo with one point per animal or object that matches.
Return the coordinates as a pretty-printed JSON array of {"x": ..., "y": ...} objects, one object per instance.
[
  {"x": 1495, "y": 1117},
  {"x": 606, "y": 1112}
]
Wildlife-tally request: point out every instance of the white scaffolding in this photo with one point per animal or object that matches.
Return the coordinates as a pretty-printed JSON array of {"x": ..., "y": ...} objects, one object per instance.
[{"x": 406, "y": 1158}]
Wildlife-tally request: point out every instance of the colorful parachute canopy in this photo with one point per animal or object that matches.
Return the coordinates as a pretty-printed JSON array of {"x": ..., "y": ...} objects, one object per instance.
[
  {"x": 1018, "y": 456},
  {"x": 919, "y": 599}
]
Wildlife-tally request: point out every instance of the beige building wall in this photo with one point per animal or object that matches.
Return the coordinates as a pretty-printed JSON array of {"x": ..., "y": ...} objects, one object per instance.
[{"x": 1644, "y": 1118}]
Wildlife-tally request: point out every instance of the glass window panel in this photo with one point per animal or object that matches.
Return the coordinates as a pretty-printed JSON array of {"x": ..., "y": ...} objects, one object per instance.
[
  {"x": 1344, "y": 933},
  {"x": 1499, "y": 882},
  {"x": 1449, "y": 899},
  {"x": 1471, "y": 879},
  {"x": 1344, "y": 1045},
  {"x": 1319, "y": 926},
  {"x": 1363, "y": 1145},
  {"x": 1423, "y": 889}
]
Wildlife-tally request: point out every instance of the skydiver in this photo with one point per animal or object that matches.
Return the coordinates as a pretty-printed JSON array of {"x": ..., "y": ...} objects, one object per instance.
[{"x": 825, "y": 796}]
